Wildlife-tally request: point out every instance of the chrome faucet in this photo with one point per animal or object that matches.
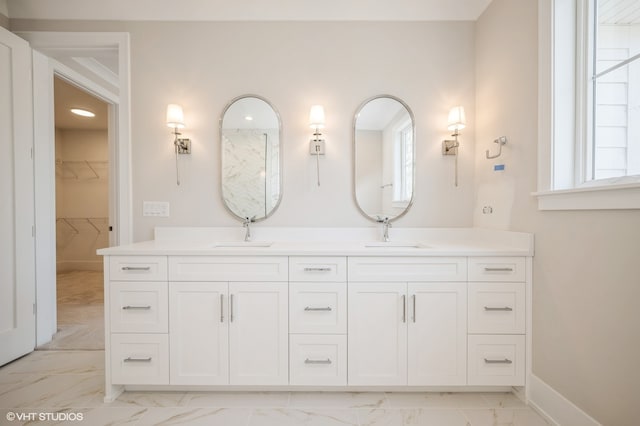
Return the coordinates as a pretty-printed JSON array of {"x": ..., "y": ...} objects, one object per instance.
[
  {"x": 386, "y": 224},
  {"x": 247, "y": 226}
]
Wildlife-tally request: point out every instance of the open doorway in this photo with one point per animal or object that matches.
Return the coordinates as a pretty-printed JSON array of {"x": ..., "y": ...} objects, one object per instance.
[{"x": 82, "y": 216}]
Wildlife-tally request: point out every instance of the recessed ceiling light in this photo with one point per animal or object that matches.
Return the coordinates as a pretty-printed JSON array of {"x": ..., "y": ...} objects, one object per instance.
[
  {"x": 248, "y": 118},
  {"x": 82, "y": 112}
]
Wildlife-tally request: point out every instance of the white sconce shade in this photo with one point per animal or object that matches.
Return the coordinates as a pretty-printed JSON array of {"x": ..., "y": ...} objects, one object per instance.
[
  {"x": 316, "y": 117},
  {"x": 457, "y": 119},
  {"x": 175, "y": 117}
]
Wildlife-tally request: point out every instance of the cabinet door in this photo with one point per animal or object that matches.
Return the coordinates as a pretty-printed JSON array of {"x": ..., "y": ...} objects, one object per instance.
[
  {"x": 198, "y": 333},
  {"x": 258, "y": 333},
  {"x": 437, "y": 334},
  {"x": 377, "y": 339}
]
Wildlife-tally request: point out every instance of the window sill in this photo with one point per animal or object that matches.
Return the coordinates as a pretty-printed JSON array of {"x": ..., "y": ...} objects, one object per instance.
[{"x": 608, "y": 197}]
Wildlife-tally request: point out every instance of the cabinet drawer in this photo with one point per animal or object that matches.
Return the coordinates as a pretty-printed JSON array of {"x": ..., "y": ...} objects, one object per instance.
[
  {"x": 138, "y": 268},
  {"x": 228, "y": 268},
  {"x": 497, "y": 269},
  {"x": 496, "y": 360},
  {"x": 140, "y": 359},
  {"x": 318, "y": 359},
  {"x": 138, "y": 307},
  {"x": 402, "y": 269},
  {"x": 318, "y": 269},
  {"x": 318, "y": 308},
  {"x": 496, "y": 308}
]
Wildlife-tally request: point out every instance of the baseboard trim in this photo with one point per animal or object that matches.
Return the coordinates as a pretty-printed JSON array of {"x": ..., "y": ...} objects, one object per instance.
[{"x": 554, "y": 407}]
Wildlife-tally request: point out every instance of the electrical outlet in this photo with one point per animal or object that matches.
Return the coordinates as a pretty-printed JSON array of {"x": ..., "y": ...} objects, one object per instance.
[{"x": 316, "y": 147}]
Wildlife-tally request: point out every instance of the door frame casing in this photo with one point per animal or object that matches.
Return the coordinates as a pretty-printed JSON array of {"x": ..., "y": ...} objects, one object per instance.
[{"x": 120, "y": 211}]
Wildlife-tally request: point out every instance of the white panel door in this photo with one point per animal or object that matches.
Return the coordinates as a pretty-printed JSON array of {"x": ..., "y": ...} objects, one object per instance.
[
  {"x": 258, "y": 333},
  {"x": 377, "y": 338},
  {"x": 17, "y": 258},
  {"x": 198, "y": 333},
  {"x": 437, "y": 334}
]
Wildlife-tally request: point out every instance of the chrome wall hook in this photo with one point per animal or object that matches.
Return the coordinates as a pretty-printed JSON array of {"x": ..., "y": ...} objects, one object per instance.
[{"x": 502, "y": 140}]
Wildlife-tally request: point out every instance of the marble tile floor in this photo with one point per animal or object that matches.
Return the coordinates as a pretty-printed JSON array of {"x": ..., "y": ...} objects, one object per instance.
[
  {"x": 62, "y": 387},
  {"x": 80, "y": 304}
]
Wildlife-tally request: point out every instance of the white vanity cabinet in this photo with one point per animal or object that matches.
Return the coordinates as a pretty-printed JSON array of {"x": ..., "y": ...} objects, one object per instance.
[
  {"x": 318, "y": 320},
  {"x": 497, "y": 321},
  {"x": 226, "y": 331},
  {"x": 136, "y": 320},
  {"x": 351, "y": 317},
  {"x": 199, "y": 333},
  {"x": 410, "y": 332}
]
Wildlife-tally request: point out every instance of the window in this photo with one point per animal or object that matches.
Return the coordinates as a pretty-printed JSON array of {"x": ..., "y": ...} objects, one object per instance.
[
  {"x": 592, "y": 139},
  {"x": 403, "y": 160},
  {"x": 614, "y": 91}
]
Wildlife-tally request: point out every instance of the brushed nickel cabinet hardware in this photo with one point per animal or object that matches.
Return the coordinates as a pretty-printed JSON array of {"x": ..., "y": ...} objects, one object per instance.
[
  {"x": 129, "y": 359},
  {"x": 317, "y": 361},
  {"x": 498, "y": 361},
  {"x": 309, "y": 308}
]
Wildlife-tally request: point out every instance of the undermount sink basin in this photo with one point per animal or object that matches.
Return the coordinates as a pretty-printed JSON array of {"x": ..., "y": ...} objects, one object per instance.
[
  {"x": 229, "y": 244},
  {"x": 395, "y": 244}
]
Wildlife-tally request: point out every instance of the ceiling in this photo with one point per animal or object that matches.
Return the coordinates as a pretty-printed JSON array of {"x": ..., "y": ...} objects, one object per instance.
[
  {"x": 68, "y": 96},
  {"x": 249, "y": 10}
]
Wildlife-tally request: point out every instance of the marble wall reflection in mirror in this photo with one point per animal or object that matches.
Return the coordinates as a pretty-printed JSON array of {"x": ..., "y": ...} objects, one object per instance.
[
  {"x": 250, "y": 134},
  {"x": 384, "y": 157}
]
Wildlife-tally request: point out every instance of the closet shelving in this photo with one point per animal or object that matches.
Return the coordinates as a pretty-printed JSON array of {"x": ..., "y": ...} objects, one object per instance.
[
  {"x": 81, "y": 169},
  {"x": 93, "y": 223}
]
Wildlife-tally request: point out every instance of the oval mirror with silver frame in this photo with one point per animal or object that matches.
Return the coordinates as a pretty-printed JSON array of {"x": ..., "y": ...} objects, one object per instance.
[
  {"x": 384, "y": 158},
  {"x": 251, "y": 158}
]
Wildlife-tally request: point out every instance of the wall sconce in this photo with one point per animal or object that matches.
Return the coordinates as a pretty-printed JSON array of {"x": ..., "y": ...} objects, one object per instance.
[
  {"x": 457, "y": 121},
  {"x": 175, "y": 119},
  {"x": 316, "y": 145}
]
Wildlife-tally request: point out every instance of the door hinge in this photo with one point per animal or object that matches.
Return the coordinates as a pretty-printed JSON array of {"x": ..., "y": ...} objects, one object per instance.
[
  {"x": 33, "y": 231},
  {"x": 35, "y": 309},
  {"x": 32, "y": 153},
  {"x": 110, "y": 228}
]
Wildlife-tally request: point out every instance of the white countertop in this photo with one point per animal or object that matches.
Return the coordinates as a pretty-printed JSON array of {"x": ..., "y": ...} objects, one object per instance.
[{"x": 330, "y": 242}]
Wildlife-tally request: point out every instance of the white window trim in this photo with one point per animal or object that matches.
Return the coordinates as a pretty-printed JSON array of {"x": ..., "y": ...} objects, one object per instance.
[{"x": 618, "y": 193}]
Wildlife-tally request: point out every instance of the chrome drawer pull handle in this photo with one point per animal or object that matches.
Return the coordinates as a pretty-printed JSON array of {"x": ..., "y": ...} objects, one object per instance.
[
  {"x": 317, "y": 269},
  {"x": 136, "y": 268},
  {"x": 414, "y": 307},
  {"x": 231, "y": 308},
  {"x": 498, "y": 269},
  {"x": 129, "y": 307},
  {"x": 129, "y": 359},
  {"x": 404, "y": 308},
  {"x": 309, "y": 308},
  {"x": 317, "y": 361},
  {"x": 221, "y": 308},
  {"x": 498, "y": 361},
  {"x": 506, "y": 309}
]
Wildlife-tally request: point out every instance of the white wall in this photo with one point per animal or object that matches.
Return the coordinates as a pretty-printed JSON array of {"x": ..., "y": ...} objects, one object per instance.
[
  {"x": 585, "y": 317},
  {"x": 430, "y": 65},
  {"x": 218, "y": 62}
]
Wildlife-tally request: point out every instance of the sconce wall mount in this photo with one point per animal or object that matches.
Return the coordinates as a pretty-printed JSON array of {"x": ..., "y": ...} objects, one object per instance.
[
  {"x": 316, "y": 144},
  {"x": 175, "y": 120},
  {"x": 457, "y": 121}
]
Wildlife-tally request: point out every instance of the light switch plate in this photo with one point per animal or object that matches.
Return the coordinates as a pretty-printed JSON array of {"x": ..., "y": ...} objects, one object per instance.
[{"x": 155, "y": 208}]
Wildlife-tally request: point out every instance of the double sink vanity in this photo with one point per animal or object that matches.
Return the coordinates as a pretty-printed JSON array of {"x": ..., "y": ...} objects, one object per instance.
[{"x": 318, "y": 309}]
